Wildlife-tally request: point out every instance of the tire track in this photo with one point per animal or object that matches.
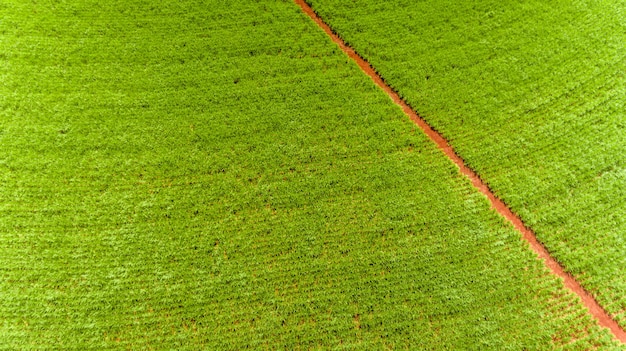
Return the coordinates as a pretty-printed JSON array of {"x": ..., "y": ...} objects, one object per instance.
[{"x": 603, "y": 318}]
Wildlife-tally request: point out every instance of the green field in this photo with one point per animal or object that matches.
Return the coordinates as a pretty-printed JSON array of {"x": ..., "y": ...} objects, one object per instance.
[
  {"x": 532, "y": 95},
  {"x": 219, "y": 175}
]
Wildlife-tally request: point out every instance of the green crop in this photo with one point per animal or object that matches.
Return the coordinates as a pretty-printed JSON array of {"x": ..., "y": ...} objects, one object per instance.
[
  {"x": 218, "y": 175},
  {"x": 531, "y": 94}
]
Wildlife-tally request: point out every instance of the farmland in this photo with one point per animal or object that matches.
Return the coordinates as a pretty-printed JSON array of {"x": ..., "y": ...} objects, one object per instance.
[
  {"x": 221, "y": 176},
  {"x": 531, "y": 95}
]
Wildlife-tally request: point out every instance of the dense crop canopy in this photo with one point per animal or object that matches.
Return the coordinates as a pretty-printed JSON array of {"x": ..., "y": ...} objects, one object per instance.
[
  {"x": 218, "y": 175},
  {"x": 532, "y": 95}
]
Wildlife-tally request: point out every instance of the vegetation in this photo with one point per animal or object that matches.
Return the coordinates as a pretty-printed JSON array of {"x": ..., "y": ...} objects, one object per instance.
[
  {"x": 219, "y": 175},
  {"x": 531, "y": 94}
]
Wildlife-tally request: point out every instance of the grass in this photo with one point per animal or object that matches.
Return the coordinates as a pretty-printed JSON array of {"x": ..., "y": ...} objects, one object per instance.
[
  {"x": 220, "y": 176},
  {"x": 531, "y": 95}
]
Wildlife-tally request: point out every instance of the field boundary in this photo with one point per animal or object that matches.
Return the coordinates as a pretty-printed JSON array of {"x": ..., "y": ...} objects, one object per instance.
[{"x": 603, "y": 318}]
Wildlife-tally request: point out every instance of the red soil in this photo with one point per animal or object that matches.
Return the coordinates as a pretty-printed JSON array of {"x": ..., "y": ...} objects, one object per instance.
[{"x": 604, "y": 319}]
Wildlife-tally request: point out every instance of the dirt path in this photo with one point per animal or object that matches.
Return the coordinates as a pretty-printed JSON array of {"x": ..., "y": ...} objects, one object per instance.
[{"x": 592, "y": 305}]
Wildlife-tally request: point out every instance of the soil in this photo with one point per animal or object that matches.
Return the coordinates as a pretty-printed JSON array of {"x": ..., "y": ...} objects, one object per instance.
[{"x": 603, "y": 318}]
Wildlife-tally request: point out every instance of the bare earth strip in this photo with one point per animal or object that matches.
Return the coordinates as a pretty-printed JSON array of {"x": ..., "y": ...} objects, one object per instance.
[{"x": 592, "y": 305}]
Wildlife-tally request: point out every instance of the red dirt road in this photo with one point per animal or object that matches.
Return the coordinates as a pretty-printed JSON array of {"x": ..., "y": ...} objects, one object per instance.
[{"x": 604, "y": 319}]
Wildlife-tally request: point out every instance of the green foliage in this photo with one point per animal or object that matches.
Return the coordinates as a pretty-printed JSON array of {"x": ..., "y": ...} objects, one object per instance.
[
  {"x": 531, "y": 94},
  {"x": 217, "y": 175}
]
